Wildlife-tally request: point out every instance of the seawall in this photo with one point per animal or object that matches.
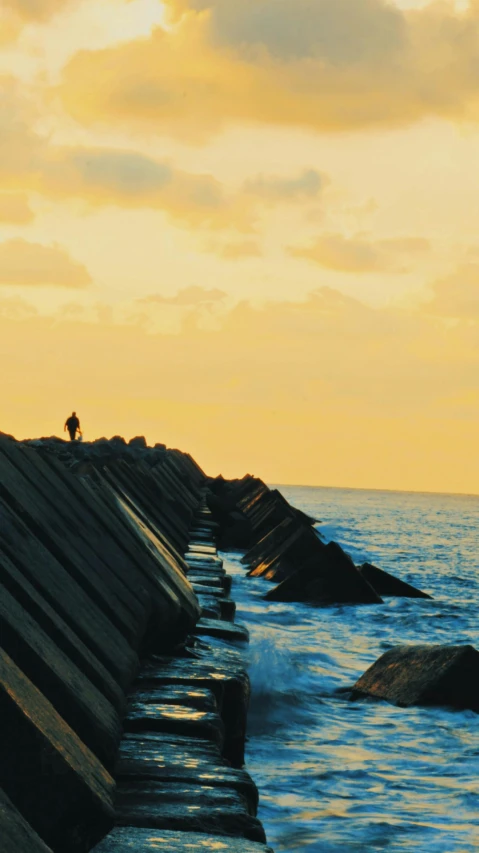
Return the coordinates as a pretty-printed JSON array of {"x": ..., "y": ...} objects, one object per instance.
[{"x": 123, "y": 693}]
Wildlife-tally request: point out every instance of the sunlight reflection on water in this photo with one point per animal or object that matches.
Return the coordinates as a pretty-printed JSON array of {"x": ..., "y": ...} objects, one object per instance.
[{"x": 336, "y": 776}]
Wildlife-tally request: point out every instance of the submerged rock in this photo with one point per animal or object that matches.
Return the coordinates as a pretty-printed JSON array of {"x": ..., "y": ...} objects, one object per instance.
[{"x": 424, "y": 675}]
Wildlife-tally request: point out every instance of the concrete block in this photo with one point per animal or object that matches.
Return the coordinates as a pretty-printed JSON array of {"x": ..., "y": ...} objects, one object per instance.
[
  {"x": 51, "y": 777},
  {"x": 424, "y": 675}
]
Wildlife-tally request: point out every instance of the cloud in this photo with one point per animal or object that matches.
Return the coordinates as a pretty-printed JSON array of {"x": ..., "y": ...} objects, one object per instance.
[
  {"x": 34, "y": 10},
  {"x": 234, "y": 250},
  {"x": 341, "y": 32},
  {"x": 456, "y": 295},
  {"x": 14, "y": 208},
  {"x": 193, "y": 295},
  {"x": 323, "y": 64},
  {"x": 350, "y": 254},
  {"x": 32, "y": 264},
  {"x": 15, "y": 14},
  {"x": 127, "y": 178},
  {"x": 307, "y": 185}
]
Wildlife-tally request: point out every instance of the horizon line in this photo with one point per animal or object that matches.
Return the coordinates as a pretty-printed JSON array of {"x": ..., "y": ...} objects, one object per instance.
[{"x": 376, "y": 489}]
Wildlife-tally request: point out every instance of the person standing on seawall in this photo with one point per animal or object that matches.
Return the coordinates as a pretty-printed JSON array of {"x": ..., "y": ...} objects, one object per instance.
[{"x": 72, "y": 424}]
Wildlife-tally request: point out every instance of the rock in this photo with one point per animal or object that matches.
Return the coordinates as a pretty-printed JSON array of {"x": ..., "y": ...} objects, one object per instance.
[
  {"x": 182, "y": 759},
  {"x": 77, "y": 701},
  {"x": 424, "y": 675},
  {"x": 174, "y": 719},
  {"x": 50, "y": 776},
  {"x": 65, "y": 596},
  {"x": 138, "y": 441},
  {"x": 190, "y": 808},
  {"x": 330, "y": 577},
  {"x": 300, "y": 547},
  {"x": 386, "y": 584},
  {"x": 52, "y": 623},
  {"x": 129, "y": 839},
  {"x": 226, "y": 678},
  {"x": 118, "y": 439},
  {"x": 225, "y": 630},
  {"x": 17, "y": 836}
]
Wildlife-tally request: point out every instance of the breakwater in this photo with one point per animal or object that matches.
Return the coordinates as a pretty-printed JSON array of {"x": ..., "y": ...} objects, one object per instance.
[{"x": 123, "y": 693}]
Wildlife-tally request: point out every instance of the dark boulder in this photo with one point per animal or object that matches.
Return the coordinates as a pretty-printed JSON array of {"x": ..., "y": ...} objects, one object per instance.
[
  {"x": 138, "y": 441},
  {"x": 424, "y": 675},
  {"x": 329, "y": 577},
  {"x": 386, "y": 584}
]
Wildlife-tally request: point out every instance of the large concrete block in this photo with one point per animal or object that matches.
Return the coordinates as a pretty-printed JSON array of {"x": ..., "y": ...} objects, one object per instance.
[
  {"x": 80, "y": 704},
  {"x": 386, "y": 584},
  {"x": 330, "y": 577},
  {"x": 130, "y": 839},
  {"x": 16, "y": 835},
  {"x": 60, "y": 632},
  {"x": 65, "y": 596},
  {"x": 424, "y": 675},
  {"x": 51, "y": 777},
  {"x": 62, "y": 524},
  {"x": 136, "y": 549}
]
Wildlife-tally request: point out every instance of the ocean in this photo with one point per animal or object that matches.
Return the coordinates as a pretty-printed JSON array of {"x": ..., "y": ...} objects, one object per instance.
[{"x": 337, "y": 776}]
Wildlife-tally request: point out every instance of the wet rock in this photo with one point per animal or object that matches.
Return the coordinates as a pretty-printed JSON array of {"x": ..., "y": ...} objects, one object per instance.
[
  {"x": 175, "y": 719},
  {"x": 191, "y": 808},
  {"x": 50, "y": 776},
  {"x": 130, "y": 839},
  {"x": 225, "y": 630},
  {"x": 424, "y": 675},
  {"x": 300, "y": 547},
  {"x": 147, "y": 756},
  {"x": 16, "y": 834},
  {"x": 223, "y": 675},
  {"x": 329, "y": 578},
  {"x": 199, "y": 698},
  {"x": 386, "y": 584}
]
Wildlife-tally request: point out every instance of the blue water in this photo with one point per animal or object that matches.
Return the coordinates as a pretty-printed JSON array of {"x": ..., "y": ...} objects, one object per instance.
[{"x": 336, "y": 776}]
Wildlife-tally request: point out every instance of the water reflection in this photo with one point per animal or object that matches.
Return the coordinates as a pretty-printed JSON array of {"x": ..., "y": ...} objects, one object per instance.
[{"x": 337, "y": 776}]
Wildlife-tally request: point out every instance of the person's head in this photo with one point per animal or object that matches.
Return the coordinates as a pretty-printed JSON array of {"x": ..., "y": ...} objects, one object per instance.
[{"x": 73, "y": 414}]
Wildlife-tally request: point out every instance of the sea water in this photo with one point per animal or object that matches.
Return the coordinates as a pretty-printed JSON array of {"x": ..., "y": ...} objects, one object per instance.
[{"x": 337, "y": 776}]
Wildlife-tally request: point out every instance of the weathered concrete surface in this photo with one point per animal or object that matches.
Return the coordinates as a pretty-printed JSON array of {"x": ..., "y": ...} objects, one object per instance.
[
  {"x": 424, "y": 675},
  {"x": 59, "y": 525},
  {"x": 81, "y": 705},
  {"x": 136, "y": 840},
  {"x": 60, "y": 633},
  {"x": 300, "y": 546},
  {"x": 65, "y": 596},
  {"x": 225, "y": 630},
  {"x": 92, "y": 574},
  {"x": 182, "y": 759},
  {"x": 176, "y": 719},
  {"x": 386, "y": 584},
  {"x": 268, "y": 544},
  {"x": 50, "y": 776},
  {"x": 191, "y": 808},
  {"x": 228, "y": 681},
  {"x": 330, "y": 577},
  {"x": 15, "y": 833}
]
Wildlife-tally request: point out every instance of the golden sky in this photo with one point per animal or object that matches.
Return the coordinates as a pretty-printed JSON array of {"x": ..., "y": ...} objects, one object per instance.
[{"x": 249, "y": 230}]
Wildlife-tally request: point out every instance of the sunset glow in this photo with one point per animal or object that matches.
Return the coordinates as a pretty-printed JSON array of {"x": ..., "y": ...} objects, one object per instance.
[{"x": 247, "y": 230}]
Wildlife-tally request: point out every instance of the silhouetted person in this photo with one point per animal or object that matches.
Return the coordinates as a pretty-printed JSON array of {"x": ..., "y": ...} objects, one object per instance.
[{"x": 72, "y": 424}]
